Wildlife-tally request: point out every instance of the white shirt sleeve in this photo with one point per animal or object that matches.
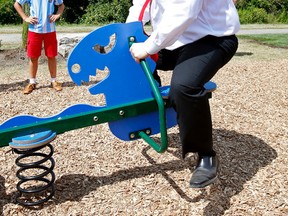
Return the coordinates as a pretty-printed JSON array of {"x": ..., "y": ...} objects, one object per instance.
[{"x": 176, "y": 18}]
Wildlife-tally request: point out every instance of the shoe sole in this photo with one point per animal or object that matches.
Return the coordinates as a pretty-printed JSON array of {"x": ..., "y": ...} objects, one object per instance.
[
  {"x": 25, "y": 93},
  {"x": 205, "y": 184},
  {"x": 28, "y": 92}
]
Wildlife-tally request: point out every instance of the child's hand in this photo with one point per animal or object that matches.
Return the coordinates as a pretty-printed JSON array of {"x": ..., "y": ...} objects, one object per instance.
[
  {"x": 31, "y": 20},
  {"x": 54, "y": 17}
]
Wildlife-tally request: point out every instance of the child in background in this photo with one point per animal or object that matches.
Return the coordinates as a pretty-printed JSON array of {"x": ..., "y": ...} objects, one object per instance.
[{"x": 41, "y": 29}]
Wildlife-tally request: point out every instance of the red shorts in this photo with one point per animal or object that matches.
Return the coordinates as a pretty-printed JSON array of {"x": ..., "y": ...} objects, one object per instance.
[{"x": 34, "y": 44}]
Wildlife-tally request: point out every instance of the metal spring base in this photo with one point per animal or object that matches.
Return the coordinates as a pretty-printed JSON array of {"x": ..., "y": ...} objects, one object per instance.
[{"x": 31, "y": 160}]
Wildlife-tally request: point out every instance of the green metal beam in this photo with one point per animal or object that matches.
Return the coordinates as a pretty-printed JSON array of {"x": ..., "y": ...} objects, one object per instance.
[{"x": 81, "y": 120}]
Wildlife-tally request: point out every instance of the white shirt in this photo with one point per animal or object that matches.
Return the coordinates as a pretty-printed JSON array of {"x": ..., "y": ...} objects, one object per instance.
[
  {"x": 42, "y": 9},
  {"x": 179, "y": 22}
]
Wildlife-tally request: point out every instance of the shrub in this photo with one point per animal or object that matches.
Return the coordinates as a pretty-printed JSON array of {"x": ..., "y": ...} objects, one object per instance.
[
  {"x": 253, "y": 15},
  {"x": 8, "y": 14},
  {"x": 74, "y": 10},
  {"x": 103, "y": 12},
  {"x": 283, "y": 17}
]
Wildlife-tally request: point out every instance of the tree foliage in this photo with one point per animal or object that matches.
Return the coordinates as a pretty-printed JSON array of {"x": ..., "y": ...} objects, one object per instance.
[
  {"x": 8, "y": 14},
  {"x": 74, "y": 10},
  {"x": 270, "y": 6},
  {"x": 263, "y": 11},
  {"x": 106, "y": 11}
]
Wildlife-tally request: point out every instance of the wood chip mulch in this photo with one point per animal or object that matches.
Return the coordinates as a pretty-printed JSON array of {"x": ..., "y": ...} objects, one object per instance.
[{"x": 98, "y": 174}]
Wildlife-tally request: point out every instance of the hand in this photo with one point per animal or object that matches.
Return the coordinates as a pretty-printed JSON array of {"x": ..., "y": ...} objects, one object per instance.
[
  {"x": 31, "y": 20},
  {"x": 54, "y": 17},
  {"x": 138, "y": 52}
]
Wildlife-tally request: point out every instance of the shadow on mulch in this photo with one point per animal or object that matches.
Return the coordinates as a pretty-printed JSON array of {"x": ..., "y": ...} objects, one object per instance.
[
  {"x": 243, "y": 53},
  {"x": 241, "y": 157}
]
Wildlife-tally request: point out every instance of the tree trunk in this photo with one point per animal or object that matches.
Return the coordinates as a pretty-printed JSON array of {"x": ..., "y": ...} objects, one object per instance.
[{"x": 25, "y": 27}]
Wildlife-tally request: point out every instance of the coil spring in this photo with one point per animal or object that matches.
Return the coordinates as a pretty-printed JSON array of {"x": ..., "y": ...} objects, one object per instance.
[
  {"x": 30, "y": 160},
  {"x": 49, "y": 183}
]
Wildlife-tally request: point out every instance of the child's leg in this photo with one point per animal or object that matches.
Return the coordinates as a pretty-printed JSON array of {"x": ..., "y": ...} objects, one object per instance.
[
  {"x": 34, "y": 46},
  {"x": 33, "y": 68},
  {"x": 51, "y": 51},
  {"x": 52, "y": 65}
]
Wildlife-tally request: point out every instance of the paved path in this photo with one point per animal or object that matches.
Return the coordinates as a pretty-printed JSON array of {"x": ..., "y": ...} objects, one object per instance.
[{"x": 15, "y": 38}]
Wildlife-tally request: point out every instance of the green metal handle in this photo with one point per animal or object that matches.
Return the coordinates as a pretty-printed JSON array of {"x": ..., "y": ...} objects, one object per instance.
[{"x": 160, "y": 148}]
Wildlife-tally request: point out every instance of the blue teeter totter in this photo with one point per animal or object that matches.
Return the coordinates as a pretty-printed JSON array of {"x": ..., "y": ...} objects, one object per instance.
[{"x": 134, "y": 105}]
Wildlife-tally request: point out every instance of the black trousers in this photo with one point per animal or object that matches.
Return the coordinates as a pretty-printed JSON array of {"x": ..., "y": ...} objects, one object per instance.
[{"x": 193, "y": 65}]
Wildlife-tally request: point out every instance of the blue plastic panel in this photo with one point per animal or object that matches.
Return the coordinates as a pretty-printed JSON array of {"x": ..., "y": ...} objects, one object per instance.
[
  {"x": 29, "y": 119},
  {"x": 126, "y": 81}
]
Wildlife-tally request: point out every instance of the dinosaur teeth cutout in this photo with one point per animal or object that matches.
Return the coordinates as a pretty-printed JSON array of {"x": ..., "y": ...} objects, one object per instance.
[
  {"x": 102, "y": 74},
  {"x": 108, "y": 48}
]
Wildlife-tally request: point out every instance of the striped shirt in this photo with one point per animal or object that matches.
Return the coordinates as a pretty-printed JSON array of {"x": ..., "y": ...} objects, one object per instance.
[{"x": 42, "y": 9}]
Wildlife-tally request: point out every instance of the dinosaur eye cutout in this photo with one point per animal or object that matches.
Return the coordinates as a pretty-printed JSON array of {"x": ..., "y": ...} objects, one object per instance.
[
  {"x": 108, "y": 48},
  {"x": 76, "y": 68}
]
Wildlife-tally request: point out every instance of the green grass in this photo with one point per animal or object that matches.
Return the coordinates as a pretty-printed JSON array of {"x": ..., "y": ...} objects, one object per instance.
[
  {"x": 67, "y": 28},
  {"x": 275, "y": 40},
  {"x": 264, "y": 26},
  {"x": 10, "y": 29}
]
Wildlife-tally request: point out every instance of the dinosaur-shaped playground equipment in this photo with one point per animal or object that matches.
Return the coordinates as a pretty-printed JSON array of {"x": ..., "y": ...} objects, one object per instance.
[{"x": 134, "y": 105}]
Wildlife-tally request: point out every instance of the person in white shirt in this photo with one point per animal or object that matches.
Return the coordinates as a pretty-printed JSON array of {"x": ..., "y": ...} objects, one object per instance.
[{"x": 195, "y": 39}]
